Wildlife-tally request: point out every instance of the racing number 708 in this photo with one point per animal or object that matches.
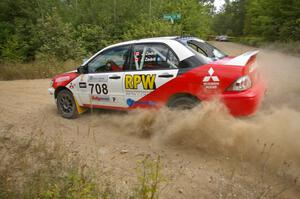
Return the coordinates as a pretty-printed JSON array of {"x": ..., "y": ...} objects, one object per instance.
[{"x": 99, "y": 88}]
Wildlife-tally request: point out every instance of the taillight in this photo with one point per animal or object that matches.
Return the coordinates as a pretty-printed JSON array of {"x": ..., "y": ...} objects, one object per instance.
[{"x": 241, "y": 84}]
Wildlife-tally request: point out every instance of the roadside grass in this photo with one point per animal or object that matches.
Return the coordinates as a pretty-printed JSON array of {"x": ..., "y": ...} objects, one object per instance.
[
  {"x": 37, "y": 167},
  {"x": 291, "y": 48},
  {"x": 35, "y": 70}
]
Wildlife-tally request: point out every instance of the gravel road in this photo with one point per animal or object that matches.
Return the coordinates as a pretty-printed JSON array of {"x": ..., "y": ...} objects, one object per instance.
[{"x": 205, "y": 153}]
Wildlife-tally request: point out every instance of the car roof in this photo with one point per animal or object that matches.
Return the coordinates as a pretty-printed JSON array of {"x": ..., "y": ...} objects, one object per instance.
[{"x": 181, "y": 51}]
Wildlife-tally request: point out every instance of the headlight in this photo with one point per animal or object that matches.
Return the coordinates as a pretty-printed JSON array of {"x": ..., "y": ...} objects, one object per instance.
[{"x": 241, "y": 84}]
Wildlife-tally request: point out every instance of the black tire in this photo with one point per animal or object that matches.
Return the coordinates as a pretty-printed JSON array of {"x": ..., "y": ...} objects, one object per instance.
[
  {"x": 183, "y": 102},
  {"x": 66, "y": 104}
]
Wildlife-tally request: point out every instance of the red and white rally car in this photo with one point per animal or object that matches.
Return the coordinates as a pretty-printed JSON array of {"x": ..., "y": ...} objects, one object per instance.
[{"x": 171, "y": 71}]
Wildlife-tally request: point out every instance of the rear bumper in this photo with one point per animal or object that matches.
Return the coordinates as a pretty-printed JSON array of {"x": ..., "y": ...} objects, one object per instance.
[{"x": 245, "y": 103}]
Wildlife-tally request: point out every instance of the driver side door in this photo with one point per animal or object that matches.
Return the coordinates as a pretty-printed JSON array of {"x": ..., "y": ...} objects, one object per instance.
[{"x": 102, "y": 85}]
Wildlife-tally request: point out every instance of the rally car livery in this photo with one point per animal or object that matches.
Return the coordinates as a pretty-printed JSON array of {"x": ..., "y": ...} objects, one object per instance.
[{"x": 165, "y": 71}]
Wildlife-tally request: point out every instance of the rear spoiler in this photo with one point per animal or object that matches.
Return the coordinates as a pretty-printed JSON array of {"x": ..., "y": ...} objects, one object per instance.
[{"x": 242, "y": 59}]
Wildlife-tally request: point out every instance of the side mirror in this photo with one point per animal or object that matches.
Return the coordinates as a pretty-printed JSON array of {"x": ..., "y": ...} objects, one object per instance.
[{"x": 81, "y": 70}]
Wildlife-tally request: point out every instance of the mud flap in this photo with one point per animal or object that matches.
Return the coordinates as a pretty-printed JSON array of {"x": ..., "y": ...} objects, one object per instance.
[{"x": 80, "y": 109}]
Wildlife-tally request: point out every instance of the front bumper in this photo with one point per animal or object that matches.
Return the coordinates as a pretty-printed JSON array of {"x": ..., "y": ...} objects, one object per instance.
[
  {"x": 246, "y": 102},
  {"x": 51, "y": 91}
]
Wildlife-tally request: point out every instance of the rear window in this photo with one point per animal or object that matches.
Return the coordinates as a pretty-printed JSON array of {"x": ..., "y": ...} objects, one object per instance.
[{"x": 202, "y": 48}]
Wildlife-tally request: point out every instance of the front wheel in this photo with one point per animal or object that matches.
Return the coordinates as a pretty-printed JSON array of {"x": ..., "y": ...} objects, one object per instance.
[{"x": 66, "y": 104}]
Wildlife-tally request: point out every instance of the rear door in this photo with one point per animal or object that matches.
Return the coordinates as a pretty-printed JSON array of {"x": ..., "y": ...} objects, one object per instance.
[
  {"x": 152, "y": 65},
  {"x": 103, "y": 84}
]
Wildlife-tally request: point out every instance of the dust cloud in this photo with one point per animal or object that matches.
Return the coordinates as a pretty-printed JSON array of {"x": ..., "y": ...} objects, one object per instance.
[{"x": 274, "y": 130}]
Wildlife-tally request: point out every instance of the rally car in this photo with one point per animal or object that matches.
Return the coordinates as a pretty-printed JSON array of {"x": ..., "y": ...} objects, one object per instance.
[{"x": 176, "y": 72}]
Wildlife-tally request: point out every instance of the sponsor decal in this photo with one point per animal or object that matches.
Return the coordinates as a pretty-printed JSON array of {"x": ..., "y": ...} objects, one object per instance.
[
  {"x": 131, "y": 102},
  {"x": 137, "y": 93},
  {"x": 98, "y": 78},
  {"x": 211, "y": 81},
  {"x": 72, "y": 85},
  {"x": 62, "y": 79},
  {"x": 99, "y": 98},
  {"x": 136, "y": 57},
  {"x": 82, "y": 85},
  {"x": 147, "y": 81}
]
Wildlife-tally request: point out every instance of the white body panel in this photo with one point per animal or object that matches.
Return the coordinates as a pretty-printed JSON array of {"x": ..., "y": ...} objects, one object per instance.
[{"x": 242, "y": 59}]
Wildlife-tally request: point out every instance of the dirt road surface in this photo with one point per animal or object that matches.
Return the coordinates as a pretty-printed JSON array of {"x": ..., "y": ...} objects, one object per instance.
[{"x": 205, "y": 152}]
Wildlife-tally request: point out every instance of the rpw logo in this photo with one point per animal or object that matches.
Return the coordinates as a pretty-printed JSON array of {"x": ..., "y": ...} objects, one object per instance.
[{"x": 211, "y": 81}]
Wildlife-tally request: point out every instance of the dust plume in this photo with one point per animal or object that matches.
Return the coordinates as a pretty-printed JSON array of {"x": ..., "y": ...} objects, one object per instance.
[{"x": 210, "y": 128}]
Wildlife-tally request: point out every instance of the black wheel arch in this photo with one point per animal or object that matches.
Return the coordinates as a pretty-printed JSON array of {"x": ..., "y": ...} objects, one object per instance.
[
  {"x": 60, "y": 88},
  {"x": 179, "y": 95}
]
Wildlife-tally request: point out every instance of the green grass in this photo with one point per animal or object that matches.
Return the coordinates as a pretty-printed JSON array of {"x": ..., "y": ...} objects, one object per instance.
[{"x": 292, "y": 47}]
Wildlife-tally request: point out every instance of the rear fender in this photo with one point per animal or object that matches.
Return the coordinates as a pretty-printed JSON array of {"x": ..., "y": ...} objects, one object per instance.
[{"x": 248, "y": 62}]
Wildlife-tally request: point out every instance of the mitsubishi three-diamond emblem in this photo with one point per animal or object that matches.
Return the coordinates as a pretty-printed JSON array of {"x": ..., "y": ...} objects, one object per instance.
[
  {"x": 211, "y": 72},
  {"x": 211, "y": 81}
]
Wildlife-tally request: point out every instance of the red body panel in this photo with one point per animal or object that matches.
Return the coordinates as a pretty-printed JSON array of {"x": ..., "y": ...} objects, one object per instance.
[{"x": 245, "y": 102}]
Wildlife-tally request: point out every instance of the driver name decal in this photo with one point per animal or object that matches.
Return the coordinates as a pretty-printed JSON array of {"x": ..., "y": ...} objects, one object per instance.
[
  {"x": 147, "y": 81},
  {"x": 98, "y": 78}
]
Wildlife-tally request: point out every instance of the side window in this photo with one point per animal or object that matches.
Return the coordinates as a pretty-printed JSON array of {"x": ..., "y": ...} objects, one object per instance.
[
  {"x": 114, "y": 59},
  {"x": 153, "y": 57}
]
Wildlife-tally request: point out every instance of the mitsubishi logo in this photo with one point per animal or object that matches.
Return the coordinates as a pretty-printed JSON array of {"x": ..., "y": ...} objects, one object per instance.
[
  {"x": 207, "y": 83},
  {"x": 211, "y": 72}
]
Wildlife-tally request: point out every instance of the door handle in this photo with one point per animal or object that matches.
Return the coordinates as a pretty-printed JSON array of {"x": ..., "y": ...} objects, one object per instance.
[
  {"x": 166, "y": 75},
  {"x": 115, "y": 77}
]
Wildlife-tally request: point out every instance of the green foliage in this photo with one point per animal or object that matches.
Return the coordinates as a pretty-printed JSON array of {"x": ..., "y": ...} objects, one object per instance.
[
  {"x": 230, "y": 20},
  {"x": 75, "y": 28},
  {"x": 93, "y": 37},
  {"x": 58, "y": 39},
  {"x": 267, "y": 20},
  {"x": 14, "y": 49},
  {"x": 147, "y": 28}
]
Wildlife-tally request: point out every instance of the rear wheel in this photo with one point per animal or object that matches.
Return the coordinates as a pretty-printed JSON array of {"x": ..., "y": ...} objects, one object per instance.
[
  {"x": 184, "y": 102},
  {"x": 66, "y": 104}
]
